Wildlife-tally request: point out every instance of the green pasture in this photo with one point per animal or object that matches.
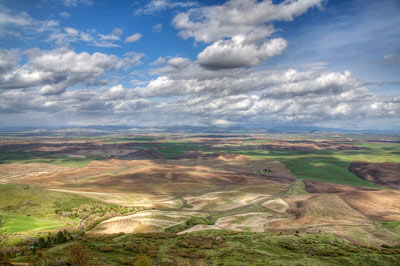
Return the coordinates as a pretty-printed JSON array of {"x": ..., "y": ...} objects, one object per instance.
[
  {"x": 17, "y": 223},
  {"x": 32, "y": 208},
  {"x": 173, "y": 149}
]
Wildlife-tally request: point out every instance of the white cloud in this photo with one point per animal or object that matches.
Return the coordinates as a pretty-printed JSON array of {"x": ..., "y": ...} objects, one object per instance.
[
  {"x": 391, "y": 59},
  {"x": 236, "y": 52},
  {"x": 159, "y": 61},
  {"x": 178, "y": 62},
  {"x": 130, "y": 59},
  {"x": 114, "y": 36},
  {"x": 235, "y": 17},
  {"x": 159, "y": 5},
  {"x": 238, "y": 30},
  {"x": 74, "y": 3},
  {"x": 64, "y": 14},
  {"x": 157, "y": 28},
  {"x": 133, "y": 38},
  {"x": 222, "y": 122},
  {"x": 69, "y": 35},
  {"x": 20, "y": 19},
  {"x": 8, "y": 60},
  {"x": 332, "y": 96},
  {"x": 117, "y": 32},
  {"x": 56, "y": 70}
]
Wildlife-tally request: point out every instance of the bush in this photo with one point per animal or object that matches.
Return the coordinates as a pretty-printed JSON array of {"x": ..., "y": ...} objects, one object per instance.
[
  {"x": 142, "y": 260},
  {"x": 106, "y": 249},
  {"x": 126, "y": 262},
  {"x": 288, "y": 245},
  {"x": 78, "y": 255}
]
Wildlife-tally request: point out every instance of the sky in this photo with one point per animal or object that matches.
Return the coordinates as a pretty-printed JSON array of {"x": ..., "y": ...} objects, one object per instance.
[{"x": 248, "y": 63}]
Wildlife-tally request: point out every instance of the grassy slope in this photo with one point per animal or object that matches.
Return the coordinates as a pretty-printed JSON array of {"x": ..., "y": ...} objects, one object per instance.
[
  {"x": 393, "y": 226},
  {"x": 22, "y": 223},
  {"x": 298, "y": 189},
  {"x": 18, "y": 201},
  {"x": 230, "y": 248}
]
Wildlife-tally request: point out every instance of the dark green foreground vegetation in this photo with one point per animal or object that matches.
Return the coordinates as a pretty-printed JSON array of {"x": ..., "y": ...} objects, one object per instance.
[{"x": 217, "y": 248}]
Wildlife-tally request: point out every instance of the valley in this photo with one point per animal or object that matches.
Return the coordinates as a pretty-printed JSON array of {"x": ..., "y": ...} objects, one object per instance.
[{"x": 288, "y": 191}]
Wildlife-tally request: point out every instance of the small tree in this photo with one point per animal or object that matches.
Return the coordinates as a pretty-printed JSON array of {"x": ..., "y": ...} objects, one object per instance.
[
  {"x": 48, "y": 242},
  {"x": 61, "y": 238},
  {"x": 42, "y": 243},
  {"x": 78, "y": 255}
]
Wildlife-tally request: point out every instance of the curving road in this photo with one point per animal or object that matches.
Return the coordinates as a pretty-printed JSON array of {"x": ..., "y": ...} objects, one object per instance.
[
  {"x": 28, "y": 238},
  {"x": 83, "y": 227}
]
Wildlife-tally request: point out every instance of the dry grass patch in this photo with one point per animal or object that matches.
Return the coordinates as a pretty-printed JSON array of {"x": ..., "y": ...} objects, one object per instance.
[
  {"x": 382, "y": 205},
  {"x": 252, "y": 222},
  {"x": 276, "y": 205},
  {"x": 143, "y": 222},
  {"x": 223, "y": 200}
]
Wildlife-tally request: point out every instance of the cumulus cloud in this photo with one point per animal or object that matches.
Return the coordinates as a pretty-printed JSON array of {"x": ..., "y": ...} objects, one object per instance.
[
  {"x": 159, "y": 5},
  {"x": 250, "y": 97},
  {"x": 236, "y": 52},
  {"x": 219, "y": 88},
  {"x": 238, "y": 30},
  {"x": 8, "y": 60},
  {"x": 22, "y": 24},
  {"x": 184, "y": 77},
  {"x": 130, "y": 59},
  {"x": 235, "y": 17},
  {"x": 133, "y": 38},
  {"x": 314, "y": 83},
  {"x": 56, "y": 70}
]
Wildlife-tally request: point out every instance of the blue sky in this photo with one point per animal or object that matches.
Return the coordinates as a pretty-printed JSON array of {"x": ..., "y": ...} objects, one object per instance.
[{"x": 162, "y": 62}]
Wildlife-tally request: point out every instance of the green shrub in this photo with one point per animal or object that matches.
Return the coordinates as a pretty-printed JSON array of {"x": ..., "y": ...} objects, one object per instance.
[{"x": 142, "y": 260}]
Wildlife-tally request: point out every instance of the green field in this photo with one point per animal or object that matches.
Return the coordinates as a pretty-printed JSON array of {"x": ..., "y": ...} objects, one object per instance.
[
  {"x": 17, "y": 223},
  {"x": 176, "y": 148},
  {"x": 298, "y": 189}
]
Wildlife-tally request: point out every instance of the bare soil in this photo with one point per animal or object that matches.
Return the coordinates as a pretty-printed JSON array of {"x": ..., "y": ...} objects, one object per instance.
[
  {"x": 385, "y": 174},
  {"x": 320, "y": 187}
]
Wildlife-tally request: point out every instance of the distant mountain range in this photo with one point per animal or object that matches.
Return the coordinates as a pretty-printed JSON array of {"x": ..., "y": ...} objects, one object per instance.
[{"x": 96, "y": 129}]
